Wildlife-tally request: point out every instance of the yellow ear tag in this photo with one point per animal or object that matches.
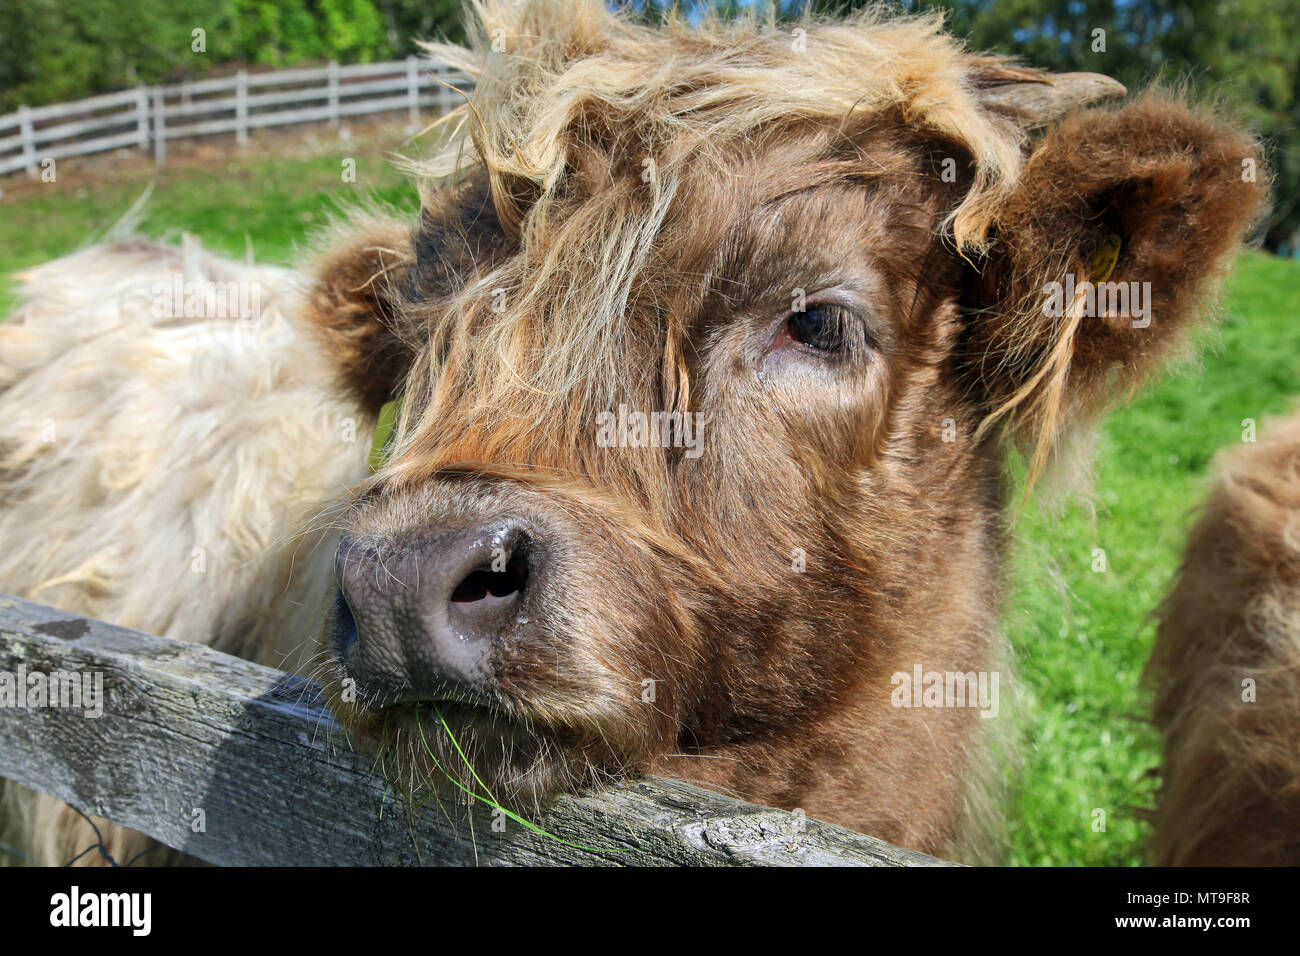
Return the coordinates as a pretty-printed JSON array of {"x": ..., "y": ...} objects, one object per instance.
[{"x": 1103, "y": 260}]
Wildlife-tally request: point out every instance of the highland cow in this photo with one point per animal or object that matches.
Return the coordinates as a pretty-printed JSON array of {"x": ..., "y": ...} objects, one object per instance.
[
  {"x": 830, "y": 248},
  {"x": 1226, "y": 669}
]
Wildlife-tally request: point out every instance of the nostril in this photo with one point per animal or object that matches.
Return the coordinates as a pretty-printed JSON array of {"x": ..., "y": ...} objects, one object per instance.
[
  {"x": 345, "y": 623},
  {"x": 429, "y": 610},
  {"x": 483, "y": 582}
]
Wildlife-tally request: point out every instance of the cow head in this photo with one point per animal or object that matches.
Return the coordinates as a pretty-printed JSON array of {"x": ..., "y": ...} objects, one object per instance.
[{"x": 707, "y": 353}]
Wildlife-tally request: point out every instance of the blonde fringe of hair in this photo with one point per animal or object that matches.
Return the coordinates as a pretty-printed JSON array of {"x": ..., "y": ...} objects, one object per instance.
[{"x": 686, "y": 95}]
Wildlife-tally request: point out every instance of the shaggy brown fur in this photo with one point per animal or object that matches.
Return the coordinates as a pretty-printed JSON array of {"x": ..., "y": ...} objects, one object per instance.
[
  {"x": 559, "y": 281},
  {"x": 833, "y": 253},
  {"x": 1226, "y": 669}
]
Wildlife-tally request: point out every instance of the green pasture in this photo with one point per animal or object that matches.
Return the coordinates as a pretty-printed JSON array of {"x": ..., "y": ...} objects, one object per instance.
[{"x": 1081, "y": 635}]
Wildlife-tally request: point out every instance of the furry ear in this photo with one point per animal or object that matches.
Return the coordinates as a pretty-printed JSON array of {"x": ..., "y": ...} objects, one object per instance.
[
  {"x": 354, "y": 301},
  {"x": 381, "y": 282},
  {"x": 1114, "y": 240}
]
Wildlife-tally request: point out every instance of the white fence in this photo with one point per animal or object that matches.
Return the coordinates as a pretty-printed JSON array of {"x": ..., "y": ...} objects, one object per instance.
[{"x": 230, "y": 104}]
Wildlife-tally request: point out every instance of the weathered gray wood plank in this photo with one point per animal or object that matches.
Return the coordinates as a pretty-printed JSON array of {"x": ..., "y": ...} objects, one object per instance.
[{"x": 185, "y": 727}]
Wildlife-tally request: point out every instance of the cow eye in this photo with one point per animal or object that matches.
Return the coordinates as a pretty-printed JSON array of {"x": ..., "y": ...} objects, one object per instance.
[{"x": 824, "y": 327}]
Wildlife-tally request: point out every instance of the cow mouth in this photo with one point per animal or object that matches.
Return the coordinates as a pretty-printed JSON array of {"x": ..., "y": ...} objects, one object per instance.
[
  {"x": 385, "y": 696},
  {"x": 459, "y": 741},
  {"x": 446, "y": 704},
  {"x": 481, "y": 716}
]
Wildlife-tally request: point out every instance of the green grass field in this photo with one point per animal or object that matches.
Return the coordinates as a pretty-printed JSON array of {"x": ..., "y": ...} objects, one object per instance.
[
  {"x": 266, "y": 205},
  {"x": 1081, "y": 636}
]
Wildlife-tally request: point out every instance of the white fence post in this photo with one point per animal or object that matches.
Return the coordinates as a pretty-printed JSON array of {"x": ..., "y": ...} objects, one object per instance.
[
  {"x": 413, "y": 87},
  {"x": 142, "y": 117},
  {"x": 235, "y": 103},
  {"x": 159, "y": 127},
  {"x": 29, "y": 139},
  {"x": 334, "y": 94},
  {"x": 241, "y": 107},
  {"x": 445, "y": 92}
]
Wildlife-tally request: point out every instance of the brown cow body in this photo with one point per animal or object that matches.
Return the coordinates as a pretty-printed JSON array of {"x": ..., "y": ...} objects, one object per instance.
[
  {"x": 1226, "y": 668},
  {"x": 831, "y": 251}
]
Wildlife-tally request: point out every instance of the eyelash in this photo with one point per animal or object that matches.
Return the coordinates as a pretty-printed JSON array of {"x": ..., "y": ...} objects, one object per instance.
[{"x": 827, "y": 328}]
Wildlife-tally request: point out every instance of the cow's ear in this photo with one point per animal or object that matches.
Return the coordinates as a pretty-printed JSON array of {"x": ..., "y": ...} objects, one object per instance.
[
  {"x": 1153, "y": 199},
  {"x": 354, "y": 305}
]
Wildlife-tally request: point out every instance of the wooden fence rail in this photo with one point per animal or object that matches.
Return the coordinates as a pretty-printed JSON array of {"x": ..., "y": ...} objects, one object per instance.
[
  {"x": 190, "y": 734},
  {"x": 231, "y": 104}
]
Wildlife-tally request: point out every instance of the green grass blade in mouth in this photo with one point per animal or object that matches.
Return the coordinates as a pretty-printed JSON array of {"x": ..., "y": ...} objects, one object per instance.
[
  {"x": 455, "y": 743},
  {"x": 489, "y": 799}
]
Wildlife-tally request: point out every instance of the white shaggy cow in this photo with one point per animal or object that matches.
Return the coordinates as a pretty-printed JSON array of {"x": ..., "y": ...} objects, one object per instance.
[{"x": 170, "y": 473}]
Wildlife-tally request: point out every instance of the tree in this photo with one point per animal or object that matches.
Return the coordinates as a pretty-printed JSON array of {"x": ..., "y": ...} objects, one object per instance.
[
  {"x": 1242, "y": 53},
  {"x": 52, "y": 50}
]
